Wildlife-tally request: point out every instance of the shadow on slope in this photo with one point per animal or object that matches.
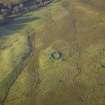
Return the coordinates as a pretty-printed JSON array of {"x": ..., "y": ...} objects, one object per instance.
[{"x": 12, "y": 25}]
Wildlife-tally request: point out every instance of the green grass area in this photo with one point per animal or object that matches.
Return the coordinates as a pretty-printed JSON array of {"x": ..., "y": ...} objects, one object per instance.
[
  {"x": 73, "y": 27},
  {"x": 13, "y": 51}
]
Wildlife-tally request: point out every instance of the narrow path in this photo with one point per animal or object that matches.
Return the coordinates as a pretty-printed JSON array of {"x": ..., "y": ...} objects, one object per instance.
[{"x": 14, "y": 23}]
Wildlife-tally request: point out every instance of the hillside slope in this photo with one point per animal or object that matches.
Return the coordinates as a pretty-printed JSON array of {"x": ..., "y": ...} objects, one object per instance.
[{"x": 75, "y": 29}]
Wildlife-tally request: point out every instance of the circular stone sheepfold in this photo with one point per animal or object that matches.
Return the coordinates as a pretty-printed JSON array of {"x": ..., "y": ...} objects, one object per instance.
[{"x": 55, "y": 55}]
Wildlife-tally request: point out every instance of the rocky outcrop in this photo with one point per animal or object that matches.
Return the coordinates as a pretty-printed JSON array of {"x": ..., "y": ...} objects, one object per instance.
[{"x": 21, "y": 7}]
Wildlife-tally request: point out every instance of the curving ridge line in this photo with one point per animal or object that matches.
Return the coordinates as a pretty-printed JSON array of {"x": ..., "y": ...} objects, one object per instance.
[{"x": 11, "y": 78}]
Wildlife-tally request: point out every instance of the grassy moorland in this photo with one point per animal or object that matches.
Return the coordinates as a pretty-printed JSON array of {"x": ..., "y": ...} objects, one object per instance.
[{"x": 75, "y": 28}]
